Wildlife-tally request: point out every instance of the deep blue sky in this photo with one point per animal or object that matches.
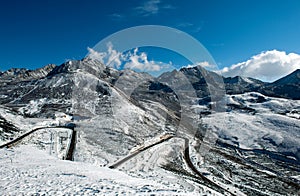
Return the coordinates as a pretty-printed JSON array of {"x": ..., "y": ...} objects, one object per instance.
[{"x": 35, "y": 33}]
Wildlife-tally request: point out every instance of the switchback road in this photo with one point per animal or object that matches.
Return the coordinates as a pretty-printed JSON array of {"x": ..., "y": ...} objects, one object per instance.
[{"x": 71, "y": 146}]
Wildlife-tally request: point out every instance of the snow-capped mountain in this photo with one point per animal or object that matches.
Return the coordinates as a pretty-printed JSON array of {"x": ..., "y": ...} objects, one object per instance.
[{"x": 188, "y": 131}]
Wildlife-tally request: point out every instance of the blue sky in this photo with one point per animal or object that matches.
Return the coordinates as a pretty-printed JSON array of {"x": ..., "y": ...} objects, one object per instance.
[{"x": 35, "y": 33}]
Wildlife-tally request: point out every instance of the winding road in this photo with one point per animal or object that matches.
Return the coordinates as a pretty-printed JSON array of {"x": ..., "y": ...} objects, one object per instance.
[
  {"x": 186, "y": 158},
  {"x": 194, "y": 169},
  {"x": 123, "y": 160},
  {"x": 71, "y": 146}
]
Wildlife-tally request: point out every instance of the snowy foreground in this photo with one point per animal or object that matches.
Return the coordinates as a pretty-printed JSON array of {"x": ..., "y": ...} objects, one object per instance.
[{"x": 28, "y": 171}]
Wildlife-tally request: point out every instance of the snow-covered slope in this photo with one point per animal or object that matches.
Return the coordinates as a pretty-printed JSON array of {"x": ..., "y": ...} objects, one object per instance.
[
  {"x": 255, "y": 121},
  {"x": 154, "y": 130},
  {"x": 29, "y": 171}
]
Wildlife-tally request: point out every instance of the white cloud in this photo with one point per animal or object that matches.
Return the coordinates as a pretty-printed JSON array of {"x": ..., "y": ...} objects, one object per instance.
[
  {"x": 152, "y": 7},
  {"x": 149, "y": 7},
  {"x": 116, "y": 17},
  {"x": 140, "y": 62},
  {"x": 191, "y": 27},
  {"x": 266, "y": 66},
  {"x": 204, "y": 64},
  {"x": 96, "y": 55},
  {"x": 185, "y": 24},
  {"x": 111, "y": 57},
  {"x": 136, "y": 61},
  {"x": 114, "y": 57}
]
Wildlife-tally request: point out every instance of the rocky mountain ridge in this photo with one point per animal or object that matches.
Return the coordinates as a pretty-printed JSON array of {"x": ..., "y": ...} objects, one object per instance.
[{"x": 282, "y": 88}]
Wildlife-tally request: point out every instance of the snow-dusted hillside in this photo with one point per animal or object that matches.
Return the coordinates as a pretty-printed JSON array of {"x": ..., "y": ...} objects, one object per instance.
[
  {"x": 255, "y": 121},
  {"x": 29, "y": 171},
  {"x": 155, "y": 135}
]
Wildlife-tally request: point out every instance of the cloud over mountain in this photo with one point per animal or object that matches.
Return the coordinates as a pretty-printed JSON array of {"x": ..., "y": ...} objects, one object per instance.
[
  {"x": 266, "y": 66},
  {"x": 130, "y": 60}
]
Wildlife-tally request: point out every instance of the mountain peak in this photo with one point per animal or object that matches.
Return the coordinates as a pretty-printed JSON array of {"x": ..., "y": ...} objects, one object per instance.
[
  {"x": 87, "y": 64},
  {"x": 292, "y": 78}
]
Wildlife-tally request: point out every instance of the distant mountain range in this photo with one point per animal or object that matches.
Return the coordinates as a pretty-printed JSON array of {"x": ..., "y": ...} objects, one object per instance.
[{"x": 283, "y": 88}]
